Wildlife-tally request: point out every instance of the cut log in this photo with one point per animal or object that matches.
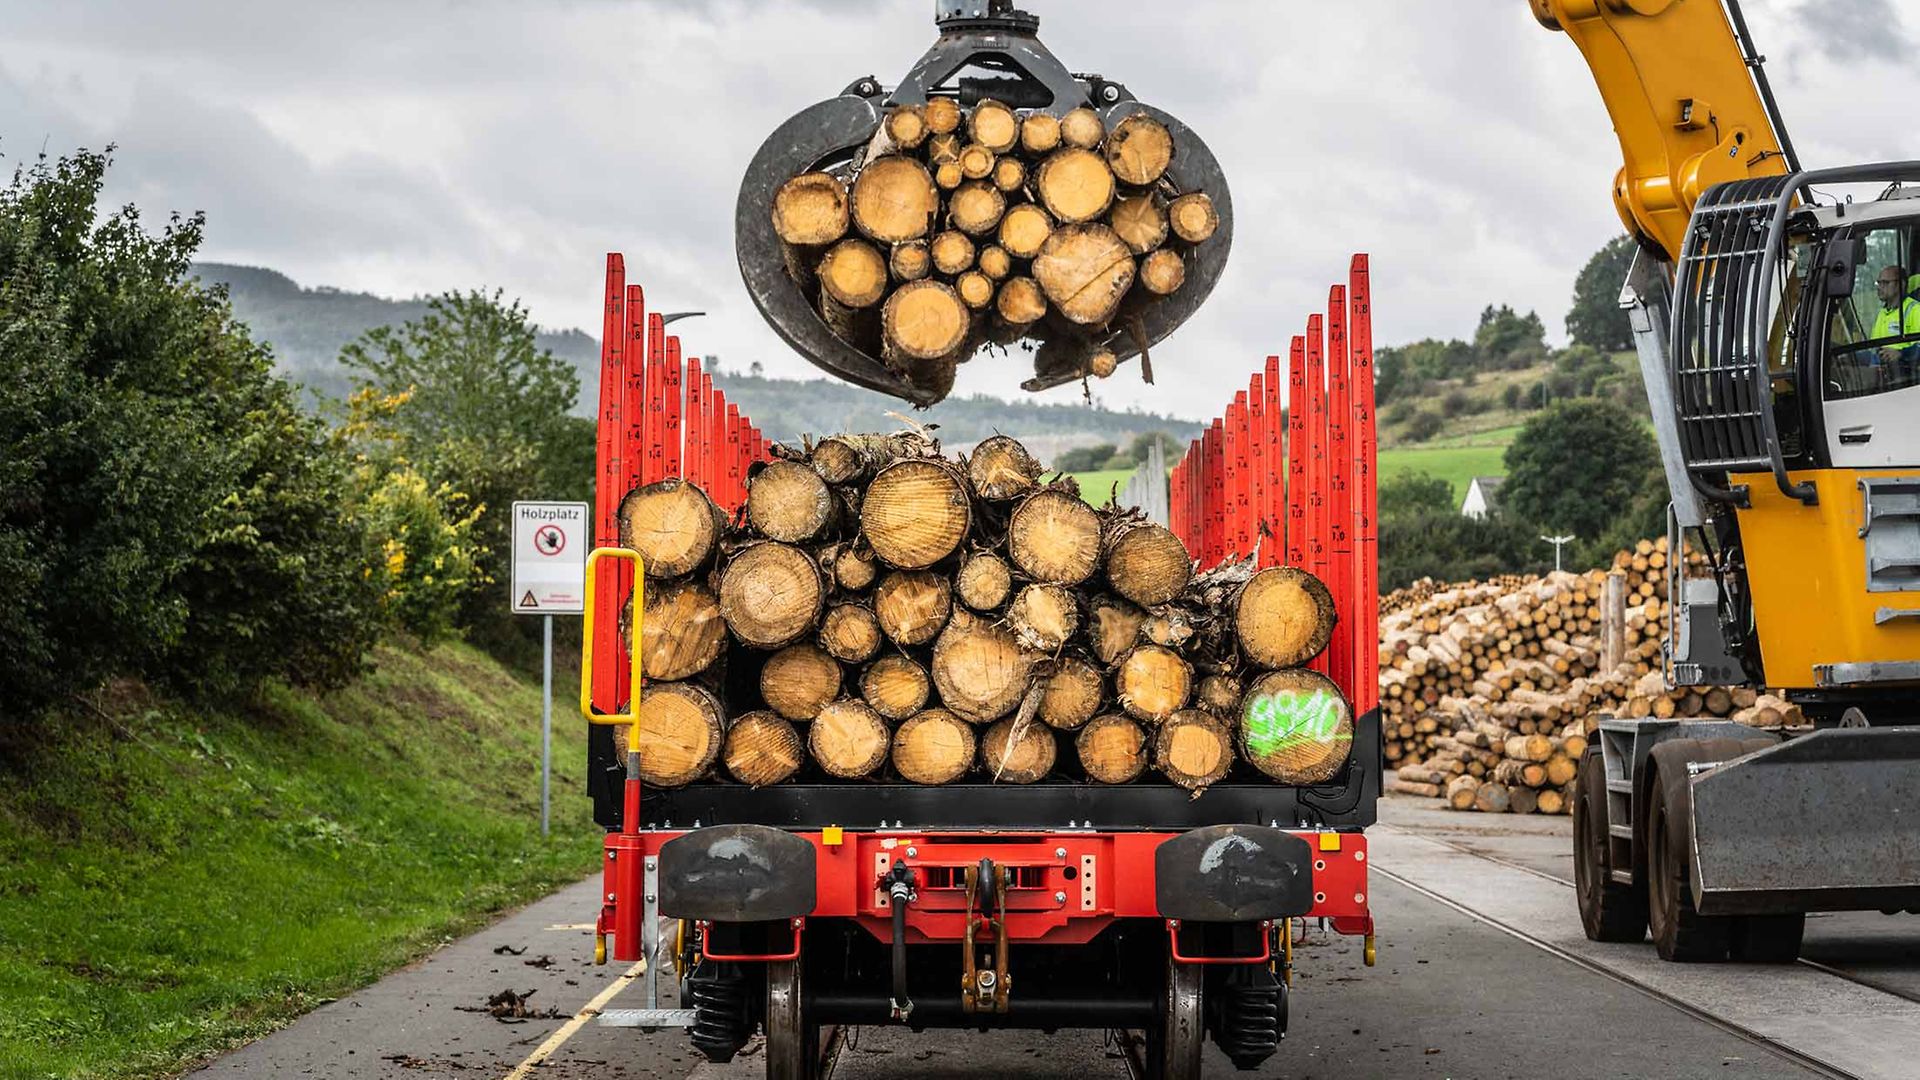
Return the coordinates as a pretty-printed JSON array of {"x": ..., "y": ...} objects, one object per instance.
[
  {"x": 845, "y": 459},
  {"x": 1082, "y": 128},
  {"x": 1192, "y": 217},
  {"x": 976, "y": 162},
  {"x": 906, "y": 126},
  {"x": 770, "y": 594},
  {"x": 682, "y": 633},
  {"x": 789, "y": 502},
  {"x": 1140, "y": 223},
  {"x": 1102, "y": 363},
  {"x": 1024, "y": 230},
  {"x": 1015, "y": 753},
  {"x": 1148, "y": 564},
  {"x": 1522, "y": 800},
  {"x": 1021, "y": 302},
  {"x": 1220, "y": 695},
  {"x": 1043, "y": 617},
  {"x": 1283, "y": 617},
  {"x": 1071, "y": 694},
  {"x": 1085, "y": 270},
  {"x": 1009, "y": 175},
  {"x": 933, "y": 747},
  {"x": 979, "y": 669},
  {"x": 983, "y": 581},
  {"x": 896, "y": 687},
  {"x": 679, "y": 734},
  {"x": 1193, "y": 749},
  {"x": 952, "y": 252},
  {"x": 848, "y": 739},
  {"x": 850, "y": 633},
  {"x": 852, "y": 567},
  {"x": 1055, "y": 537},
  {"x": 910, "y": 261},
  {"x": 1113, "y": 628},
  {"x": 915, "y": 513},
  {"x": 1113, "y": 749},
  {"x": 923, "y": 320},
  {"x": 799, "y": 680},
  {"x": 1492, "y": 797},
  {"x": 1074, "y": 185},
  {"x": 948, "y": 175},
  {"x": 944, "y": 149},
  {"x": 976, "y": 208},
  {"x": 975, "y": 289},
  {"x": 1296, "y": 726},
  {"x": 854, "y": 273},
  {"x": 894, "y": 199},
  {"x": 994, "y": 126},
  {"x": 673, "y": 525},
  {"x": 1152, "y": 682},
  {"x": 1550, "y": 801},
  {"x": 1000, "y": 468},
  {"x": 1040, "y": 133},
  {"x": 1139, "y": 150},
  {"x": 1561, "y": 770},
  {"x": 810, "y": 210},
  {"x": 995, "y": 262},
  {"x": 1163, "y": 272},
  {"x": 942, "y": 115},
  {"x": 763, "y": 748},
  {"x": 912, "y": 605},
  {"x": 1461, "y": 791}
]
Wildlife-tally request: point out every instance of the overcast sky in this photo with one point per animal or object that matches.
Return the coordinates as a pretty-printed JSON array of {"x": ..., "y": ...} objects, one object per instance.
[{"x": 412, "y": 147}]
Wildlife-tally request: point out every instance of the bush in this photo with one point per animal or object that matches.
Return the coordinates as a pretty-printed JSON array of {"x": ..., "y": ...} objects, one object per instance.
[
  {"x": 169, "y": 512},
  {"x": 1085, "y": 458},
  {"x": 1455, "y": 403},
  {"x": 1442, "y": 544},
  {"x": 1511, "y": 395},
  {"x": 1425, "y": 425},
  {"x": 1399, "y": 412},
  {"x": 1121, "y": 460},
  {"x": 1414, "y": 493}
]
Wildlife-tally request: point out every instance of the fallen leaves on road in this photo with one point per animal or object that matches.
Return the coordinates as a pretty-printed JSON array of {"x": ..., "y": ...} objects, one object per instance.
[
  {"x": 508, "y": 950},
  {"x": 510, "y": 1007},
  {"x": 543, "y": 962}
]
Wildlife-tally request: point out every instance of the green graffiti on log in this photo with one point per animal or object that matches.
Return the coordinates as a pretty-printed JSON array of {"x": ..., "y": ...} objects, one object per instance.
[{"x": 1277, "y": 722}]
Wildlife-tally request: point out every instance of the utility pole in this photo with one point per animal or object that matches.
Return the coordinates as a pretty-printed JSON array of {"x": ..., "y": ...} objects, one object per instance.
[{"x": 1558, "y": 542}]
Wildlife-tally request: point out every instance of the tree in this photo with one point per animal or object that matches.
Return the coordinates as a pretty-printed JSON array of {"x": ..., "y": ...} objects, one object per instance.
[
  {"x": 1414, "y": 493},
  {"x": 482, "y": 414},
  {"x": 1596, "y": 318},
  {"x": 1143, "y": 442},
  {"x": 1580, "y": 466},
  {"x": 168, "y": 511},
  {"x": 1443, "y": 545},
  {"x": 1506, "y": 339}
]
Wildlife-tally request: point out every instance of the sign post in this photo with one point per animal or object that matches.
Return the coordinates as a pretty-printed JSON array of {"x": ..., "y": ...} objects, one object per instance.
[{"x": 550, "y": 541}]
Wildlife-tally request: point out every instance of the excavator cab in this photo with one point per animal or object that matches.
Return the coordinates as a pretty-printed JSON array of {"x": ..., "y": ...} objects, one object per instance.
[{"x": 986, "y": 49}]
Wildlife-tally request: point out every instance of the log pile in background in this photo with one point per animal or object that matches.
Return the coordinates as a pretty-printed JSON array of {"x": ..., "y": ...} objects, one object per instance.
[
  {"x": 955, "y": 229},
  {"x": 1491, "y": 691},
  {"x": 879, "y": 612}
]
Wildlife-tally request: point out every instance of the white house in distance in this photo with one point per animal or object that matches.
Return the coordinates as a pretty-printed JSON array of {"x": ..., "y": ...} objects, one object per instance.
[{"x": 1482, "y": 496}]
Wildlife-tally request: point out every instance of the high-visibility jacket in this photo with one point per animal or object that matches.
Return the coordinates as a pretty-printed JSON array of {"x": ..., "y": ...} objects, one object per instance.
[{"x": 1898, "y": 322}]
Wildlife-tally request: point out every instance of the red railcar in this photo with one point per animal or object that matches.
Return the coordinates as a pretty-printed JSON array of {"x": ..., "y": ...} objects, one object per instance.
[{"x": 799, "y": 907}]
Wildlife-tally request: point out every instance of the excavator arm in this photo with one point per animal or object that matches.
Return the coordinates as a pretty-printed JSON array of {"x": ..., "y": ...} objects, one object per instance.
[{"x": 1689, "y": 101}]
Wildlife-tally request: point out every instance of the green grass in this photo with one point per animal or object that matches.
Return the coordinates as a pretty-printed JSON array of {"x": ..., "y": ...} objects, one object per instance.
[
  {"x": 1097, "y": 487},
  {"x": 175, "y": 882}
]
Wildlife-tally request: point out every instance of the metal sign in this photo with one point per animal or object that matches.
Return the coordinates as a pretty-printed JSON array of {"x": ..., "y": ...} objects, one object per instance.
[{"x": 550, "y": 545}]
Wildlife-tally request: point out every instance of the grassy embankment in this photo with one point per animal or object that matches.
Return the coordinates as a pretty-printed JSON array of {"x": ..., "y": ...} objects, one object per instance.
[{"x": 175, "y": 881}]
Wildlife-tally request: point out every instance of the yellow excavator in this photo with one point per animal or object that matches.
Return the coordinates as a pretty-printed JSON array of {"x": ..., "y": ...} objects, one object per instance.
[{"x": 1775, "y": 319}]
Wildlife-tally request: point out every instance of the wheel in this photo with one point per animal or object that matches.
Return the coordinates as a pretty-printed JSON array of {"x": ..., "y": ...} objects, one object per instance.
[
  {"x": 1174, "y": 1042},
  {"x": 793, "y": 1044},
  {"x": 1679, "y": 932},
  {"x": 1767, "y": 939},
  {"x": 1609, "y": 911}
]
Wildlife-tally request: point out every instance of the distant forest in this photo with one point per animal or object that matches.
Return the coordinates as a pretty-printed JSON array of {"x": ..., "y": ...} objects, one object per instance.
[{"x": 308, "y": 326}]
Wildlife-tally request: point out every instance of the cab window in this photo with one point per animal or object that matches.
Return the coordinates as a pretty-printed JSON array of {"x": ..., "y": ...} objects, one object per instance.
[{"x": 1873, "y": 335}]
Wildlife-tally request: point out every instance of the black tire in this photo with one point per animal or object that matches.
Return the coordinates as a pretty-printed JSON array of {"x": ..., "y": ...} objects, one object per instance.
[
  {"x": 1679, "y": 932},
  {"x": 1766, "y": 939},
  {"x": 1609, "y": 910}
]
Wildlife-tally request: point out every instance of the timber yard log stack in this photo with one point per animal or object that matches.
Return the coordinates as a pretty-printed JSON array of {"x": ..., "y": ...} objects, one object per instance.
[
  {"x": 1491, "y": 690},
  {"x": 959, "y": 228},
  {"x": 879, "y": 612}
]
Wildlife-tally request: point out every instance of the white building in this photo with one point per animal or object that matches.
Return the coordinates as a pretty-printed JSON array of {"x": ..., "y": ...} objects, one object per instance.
[{"x": 1482, "y": 496}]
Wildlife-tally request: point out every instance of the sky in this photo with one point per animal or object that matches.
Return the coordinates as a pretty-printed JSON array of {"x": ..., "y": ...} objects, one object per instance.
[{"x": 407, "y": 148}]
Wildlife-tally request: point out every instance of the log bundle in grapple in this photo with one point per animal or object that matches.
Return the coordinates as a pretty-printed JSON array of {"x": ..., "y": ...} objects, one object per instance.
[
  {"x": 879, "y": 612},
  {"x": 959, "y": 228}
]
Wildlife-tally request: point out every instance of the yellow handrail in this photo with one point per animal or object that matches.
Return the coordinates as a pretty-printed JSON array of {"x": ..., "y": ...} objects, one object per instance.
[{"x": 631, "y": 717}]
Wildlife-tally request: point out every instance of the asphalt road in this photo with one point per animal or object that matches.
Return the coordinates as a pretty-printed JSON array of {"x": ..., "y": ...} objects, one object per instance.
[{"x": 1482, "y": 972}]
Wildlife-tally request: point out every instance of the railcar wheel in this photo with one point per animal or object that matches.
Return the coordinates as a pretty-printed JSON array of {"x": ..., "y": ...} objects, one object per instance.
[
  {"x": 793, "y": 1043},
  {"x": 1179, "y": 1032},
  {"x": 1609, "y": 910}
]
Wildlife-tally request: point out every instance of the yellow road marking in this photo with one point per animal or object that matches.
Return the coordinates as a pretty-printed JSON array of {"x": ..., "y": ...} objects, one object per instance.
[
  {"x": 571, "y": 926},
  {"x": 567, "y": 1030}
]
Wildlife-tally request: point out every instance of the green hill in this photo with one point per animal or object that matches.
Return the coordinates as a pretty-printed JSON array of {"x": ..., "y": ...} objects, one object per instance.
[
  {"x": 308, "y": 326},
  {"x": 175, "y": 880}
]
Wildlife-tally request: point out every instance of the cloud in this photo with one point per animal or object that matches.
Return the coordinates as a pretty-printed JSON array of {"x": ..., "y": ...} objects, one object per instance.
[{"x": 1848, "y": 30}]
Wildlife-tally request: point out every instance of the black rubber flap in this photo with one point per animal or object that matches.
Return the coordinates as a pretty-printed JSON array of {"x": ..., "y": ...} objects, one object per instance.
[{"x": 737, "y": 873}]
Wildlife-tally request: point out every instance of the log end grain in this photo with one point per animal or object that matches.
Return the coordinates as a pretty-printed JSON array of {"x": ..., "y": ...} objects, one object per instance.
[
  {"x": 1112, "y": 749},
  {"x": 896, "y": 687},
  {"x": 848, "y": 740},
  {"x": 810, "y": 210},
  {"x": 1054, "y": 537},
  {"x": 762, "y": 748},
  {"x": 682, "y": 633},
  {"x": 912, "y": 605},
  {"x": 894, "y": 199},
  {"x": 1152, "y": 682},
  {"x": 1015, "y": 753},
  {"x": 1139, "y": 149},
  {"x": 983, "y": 581},
  {"x": 1044, "y": 616},
  {"x": 800, "y": 680},
  {"x": 933, "y": 747},
  {"x": 789, "y": 501},
  {"x": 1073, "y": 692},
  {"x": 1148, "y": 564},
  {"x": 1001, "y": 468},
  {"x": 1193, "y": 218},
  {"x": 979, "y": 669},
  {"x": 680, "y": 733},
  {"x": 1296, "y": 726},
  {"x": 1284, "y": 617},
  {"x": 1085, "y": 270},
  {"x": 770, "y": 594},
  {"x": 850, "y": 633},
  {"x": 672, "y": 524},
  {"x": 1193, "y": 749},
  {"x": 915, "y": 513}
]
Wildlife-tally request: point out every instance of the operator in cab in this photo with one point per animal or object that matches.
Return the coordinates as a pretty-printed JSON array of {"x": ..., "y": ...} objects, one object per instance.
[{"x": 1899, "y": 314}]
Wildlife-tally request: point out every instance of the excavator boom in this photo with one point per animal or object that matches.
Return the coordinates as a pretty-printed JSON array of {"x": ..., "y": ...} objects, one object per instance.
[{"x": 1688, "y": 98}]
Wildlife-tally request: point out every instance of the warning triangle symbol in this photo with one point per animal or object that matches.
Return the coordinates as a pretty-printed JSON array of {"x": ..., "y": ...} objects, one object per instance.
[{"x": 528, "y": 600}]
